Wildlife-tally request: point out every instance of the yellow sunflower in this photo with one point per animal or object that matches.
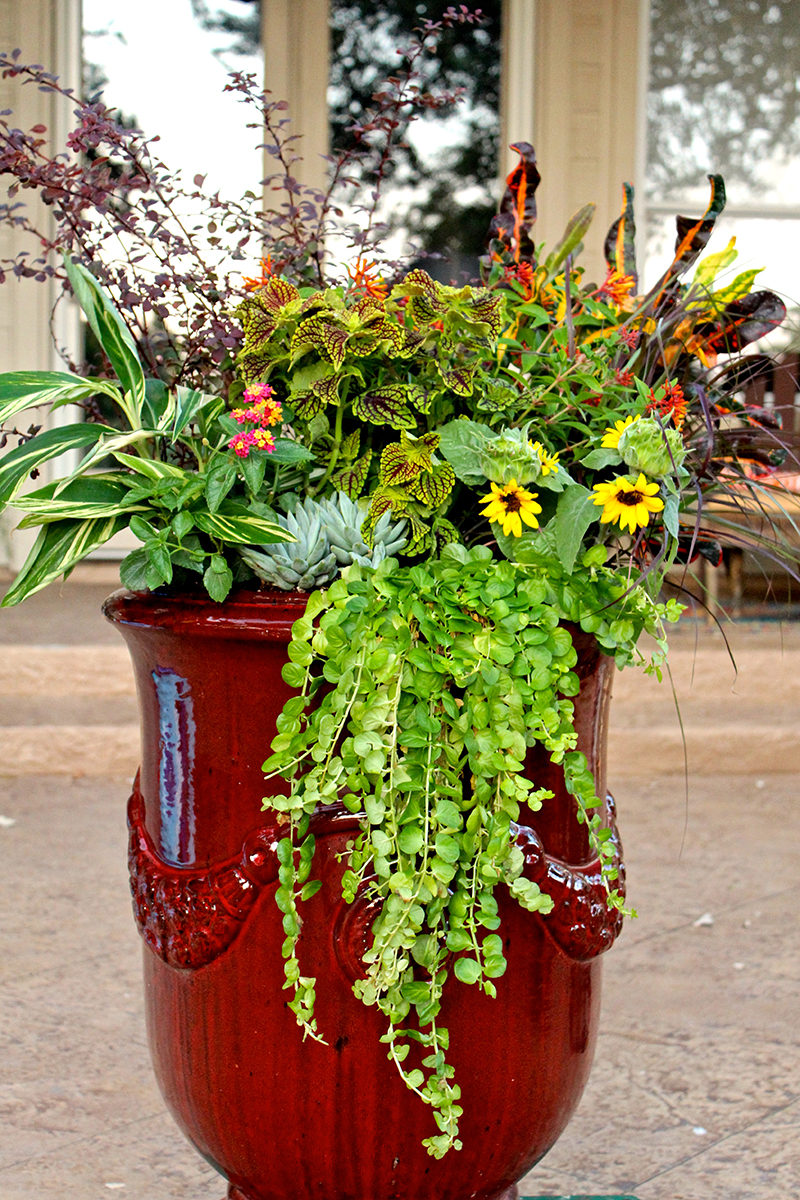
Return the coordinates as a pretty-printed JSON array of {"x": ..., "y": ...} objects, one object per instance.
[
  {"x": 549, "y": 461},
  {"x": 509, "y": 506},
  {"x": 629, "y": 504},
  {"x": 614, "y": 433}
]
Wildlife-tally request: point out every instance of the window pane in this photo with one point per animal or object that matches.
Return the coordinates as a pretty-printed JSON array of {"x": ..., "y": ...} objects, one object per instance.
[
  {"x": 441, "y": 194},
  {"x": 724, "y": 97},
  {"x": 157, "y": 62}
]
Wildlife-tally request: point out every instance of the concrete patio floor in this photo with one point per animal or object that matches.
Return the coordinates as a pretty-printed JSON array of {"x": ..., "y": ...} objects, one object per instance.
[{"x": 695, "y": 1093}]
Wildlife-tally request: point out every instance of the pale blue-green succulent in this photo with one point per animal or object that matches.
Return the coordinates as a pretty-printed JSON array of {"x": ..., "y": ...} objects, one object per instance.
[{"x": 327, "y": 538}]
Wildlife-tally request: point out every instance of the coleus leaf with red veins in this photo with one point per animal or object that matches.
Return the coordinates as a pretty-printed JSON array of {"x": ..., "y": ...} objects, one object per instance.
[
  {"x": 433, "y": 487},
  {"x": 385, "y": 406},
  {"x": 351, "y": 478}
]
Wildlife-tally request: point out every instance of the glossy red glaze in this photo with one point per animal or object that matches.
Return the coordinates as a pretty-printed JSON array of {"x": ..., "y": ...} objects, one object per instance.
[{"x": 278, "y": 1117}]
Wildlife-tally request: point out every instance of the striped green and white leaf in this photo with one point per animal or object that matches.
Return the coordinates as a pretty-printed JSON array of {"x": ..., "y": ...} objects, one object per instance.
[
  {"x": 235, "y": 523},
  {"x": 152, "y": 468},
  {"x": 113, "y": 335},
  {"x": 189, "y": 403},
  {"x": 16, "y": 465},
  {"x": 57, "y": 549},
  {"x": 105, "y": 446},
  {"x": 28, "y": 389},
  {"x": 88, "y": 498}
]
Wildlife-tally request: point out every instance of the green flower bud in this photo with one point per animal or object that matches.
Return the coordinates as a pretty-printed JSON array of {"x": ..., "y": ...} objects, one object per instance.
[
  {"x": 648, "y": 448},
  {"x": 511, "y": 456}
]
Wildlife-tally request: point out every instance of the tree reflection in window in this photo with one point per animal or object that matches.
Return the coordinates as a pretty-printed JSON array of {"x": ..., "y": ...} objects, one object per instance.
[{"x": 724, "y": 94}]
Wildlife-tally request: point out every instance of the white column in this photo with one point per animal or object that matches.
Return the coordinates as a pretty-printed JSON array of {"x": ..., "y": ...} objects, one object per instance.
[
  {"x": 47, "y": 32},
  {"x": 575, "y": 86},
  {"x": 296, "y": 40}
]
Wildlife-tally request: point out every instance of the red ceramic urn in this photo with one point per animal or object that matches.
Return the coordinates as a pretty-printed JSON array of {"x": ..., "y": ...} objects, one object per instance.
[{"x": 278, "y": 1117}]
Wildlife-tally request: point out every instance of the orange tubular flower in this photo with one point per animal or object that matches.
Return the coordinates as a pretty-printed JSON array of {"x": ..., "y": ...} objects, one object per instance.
[
  {"x": 252, "y": 284},
  {"x": 617, "y": 288},
  {"x": 671, "y": 404},
  {"x": 366, "y": 279}
]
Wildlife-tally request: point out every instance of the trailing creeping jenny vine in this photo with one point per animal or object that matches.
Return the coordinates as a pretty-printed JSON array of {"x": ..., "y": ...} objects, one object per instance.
[{"x": 420, "y": 690}]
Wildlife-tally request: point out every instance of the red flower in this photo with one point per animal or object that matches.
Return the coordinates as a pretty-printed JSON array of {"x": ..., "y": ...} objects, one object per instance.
[
  {"x": 522, "y": 273},
  {"x": 623, "y": 378},
  {"x": 671, "y": 404},
  {"x": 630, "y": 337}
]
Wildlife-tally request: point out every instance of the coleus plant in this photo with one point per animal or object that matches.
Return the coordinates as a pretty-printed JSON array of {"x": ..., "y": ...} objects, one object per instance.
[{"x": 462, "y": 472}]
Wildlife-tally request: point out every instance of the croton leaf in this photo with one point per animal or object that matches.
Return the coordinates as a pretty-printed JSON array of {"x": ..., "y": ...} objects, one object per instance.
[
  {"x": 459, "y": 379},
  {"x": 513, "y": 223},
  {"x": 433, "y": 487},
  {"x": 619, "y": 247},
  {"x": 693, "y": 235},
  {"x": 351, "y": 479},
  {"x": 748, "y": 319},
  {"x": 571, "y": 239},
  {"x": 738, "y": 287},
  {"x": 385, "y": 406}
]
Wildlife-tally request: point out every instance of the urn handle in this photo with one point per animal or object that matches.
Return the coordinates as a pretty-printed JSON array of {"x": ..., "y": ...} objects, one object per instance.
[
  {"x": 581, "y": 922},
  {"x": 188, "y": 916}
]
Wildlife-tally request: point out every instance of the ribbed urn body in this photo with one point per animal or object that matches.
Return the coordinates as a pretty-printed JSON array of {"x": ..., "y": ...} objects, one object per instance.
[{"x": 281, "y": 1118}]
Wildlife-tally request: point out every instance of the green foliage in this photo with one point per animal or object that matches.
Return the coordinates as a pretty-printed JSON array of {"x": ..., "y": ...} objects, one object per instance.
[{"x": 419, "y": 691}]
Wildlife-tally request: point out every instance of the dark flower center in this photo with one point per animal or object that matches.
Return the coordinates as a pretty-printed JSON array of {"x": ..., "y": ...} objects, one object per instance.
[
  {"x": 513, "y": 502},
  {"x": 630, "y": 498}
]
